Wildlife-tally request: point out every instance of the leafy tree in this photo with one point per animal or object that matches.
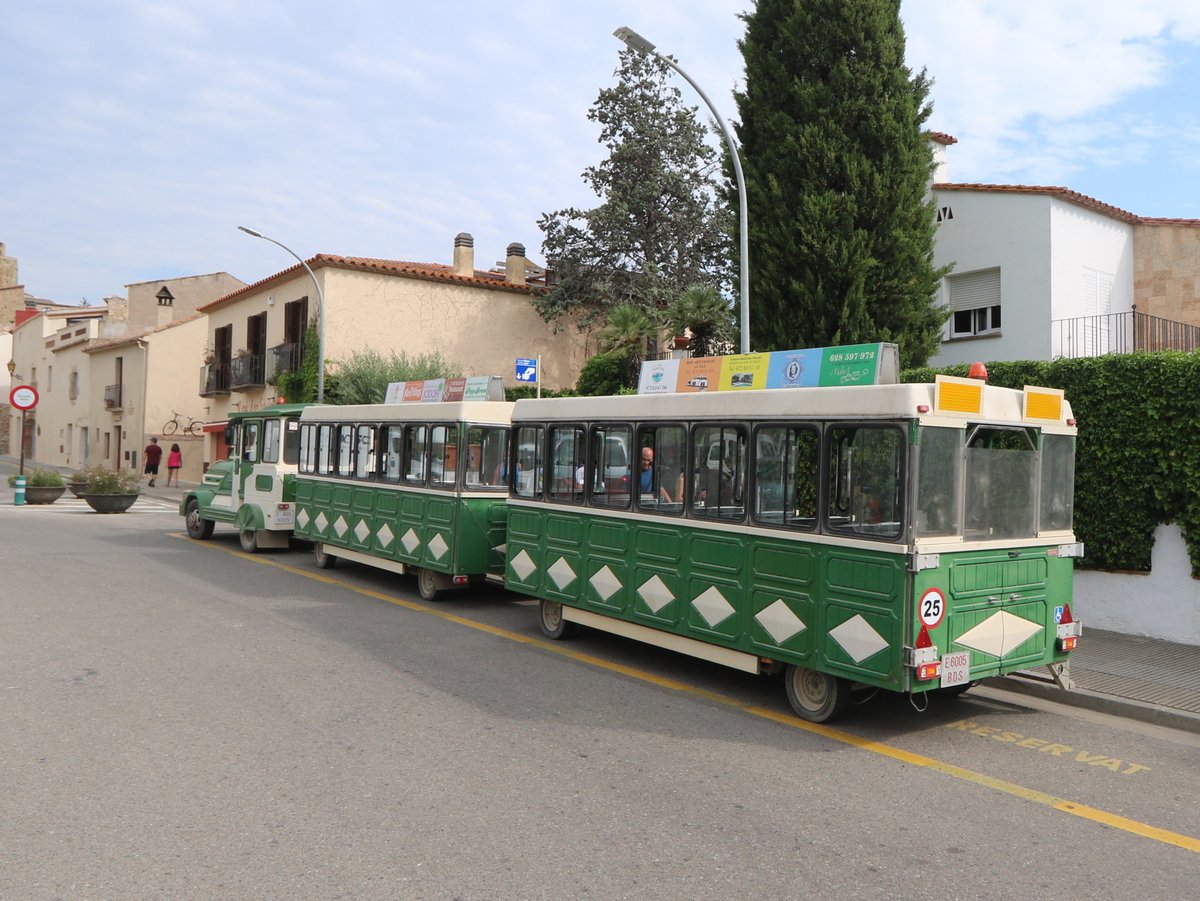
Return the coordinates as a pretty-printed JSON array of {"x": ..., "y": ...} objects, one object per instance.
[
  {"x": 661, "y": 225},
  {"x": 363, "y": 377},
  {"x": 624, "y": 335},
  {"x": 603, "y": 374},
  {"x": 836, "y": 167},
  {"x": 300, "y": 385},
  {"x": 704, "y": 314}
]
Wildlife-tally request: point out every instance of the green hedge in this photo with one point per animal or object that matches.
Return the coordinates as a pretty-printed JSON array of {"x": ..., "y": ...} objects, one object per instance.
[{"x": 1137, "y": 458}]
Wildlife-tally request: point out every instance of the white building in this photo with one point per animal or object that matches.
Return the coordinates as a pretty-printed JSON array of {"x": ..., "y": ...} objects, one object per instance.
[{"x": 1042, "y": 272}]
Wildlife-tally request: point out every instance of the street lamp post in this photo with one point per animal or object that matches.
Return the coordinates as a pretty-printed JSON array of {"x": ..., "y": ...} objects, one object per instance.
[
  {"x": 636, "y": 42},
  {"x": 320, "y": 310}
]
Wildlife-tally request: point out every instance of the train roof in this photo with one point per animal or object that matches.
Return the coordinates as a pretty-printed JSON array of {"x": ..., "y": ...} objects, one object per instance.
[
  {"x": 916, "y": 401},
  {"x": 486, "y": 411}
]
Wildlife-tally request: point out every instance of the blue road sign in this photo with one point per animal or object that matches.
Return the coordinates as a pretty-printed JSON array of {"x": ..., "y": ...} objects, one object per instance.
[{"x": 526, "y": 370}]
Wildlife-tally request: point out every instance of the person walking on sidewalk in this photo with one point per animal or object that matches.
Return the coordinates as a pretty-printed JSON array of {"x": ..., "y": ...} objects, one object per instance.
[
  {"x": 174, "y": 462},
  {"x": 153, "y": 455}
]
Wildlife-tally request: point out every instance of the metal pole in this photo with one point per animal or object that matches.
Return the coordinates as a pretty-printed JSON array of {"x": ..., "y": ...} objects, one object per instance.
[
  {"x": 320, "y": 310},
  {"x": 636, "y": 42},
  {"x": 21, "y": 441}
]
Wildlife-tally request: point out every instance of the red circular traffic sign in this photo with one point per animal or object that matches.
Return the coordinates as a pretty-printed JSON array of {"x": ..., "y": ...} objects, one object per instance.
[{"x": 23, "y": 397}]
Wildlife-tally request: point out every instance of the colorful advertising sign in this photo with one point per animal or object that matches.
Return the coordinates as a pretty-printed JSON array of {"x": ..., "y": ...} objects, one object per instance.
[
  {"x": 475, "y": 387},
  {"x": 824, "y": 367}
]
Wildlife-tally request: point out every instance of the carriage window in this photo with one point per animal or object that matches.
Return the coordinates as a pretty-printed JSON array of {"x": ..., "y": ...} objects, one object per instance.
[
  {"x": 527, "y": 462},
  {"x": 939, "y": 472},
  {"x": 364, "y": 460},
  {"x": 487, "y": 448},
  {"x": 609, "y": 465},
  {"x": 392, "y": 452},
  {"x": 345, "y": 450},
  {"x": 271, "y": 432},
  {"x": 308, "y": 448},
  {"x": 291, "y": 440},
  {"x": 416, "y": 463},
  {"x": 325, "y": 449},
  {"x": 718, "y": 484},
  {"x": 566, "y": 483},
  {"x": 1058, "y": 482},
  {"x": 445, "y": 454},
  {"x": 1001, "y": 471},
  {"x": 787, "y": 466},
  {"x": 866, "y": 480},
  {"x": 659, "y": 465},
  {"x": 250, "y": 442}
]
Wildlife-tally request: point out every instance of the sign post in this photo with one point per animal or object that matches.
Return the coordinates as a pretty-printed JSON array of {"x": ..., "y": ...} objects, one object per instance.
[
  {"x": 527, "y": 370},
  {"x": 24, "y": 398}
]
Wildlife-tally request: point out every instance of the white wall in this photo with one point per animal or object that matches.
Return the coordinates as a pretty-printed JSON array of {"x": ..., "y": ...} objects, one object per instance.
[
  {"x": 1042, "y": 245},
  {"x": 1165, "y": 603},
  {"x": 1013, "y": 232}
]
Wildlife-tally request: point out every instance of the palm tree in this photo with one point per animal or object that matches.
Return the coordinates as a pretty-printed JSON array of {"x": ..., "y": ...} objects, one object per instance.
[
  {"x": 706, "y": 315},
  {"x": 624, "y": 334}
]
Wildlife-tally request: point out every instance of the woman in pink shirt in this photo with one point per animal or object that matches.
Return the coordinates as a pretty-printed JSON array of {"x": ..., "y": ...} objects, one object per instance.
[{"x": 174, "y": 462}]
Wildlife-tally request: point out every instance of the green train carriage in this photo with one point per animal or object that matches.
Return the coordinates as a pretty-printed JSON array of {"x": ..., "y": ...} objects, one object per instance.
[
  {"x": 903, "y": 537},
  {"x": 415, "y": 488}
]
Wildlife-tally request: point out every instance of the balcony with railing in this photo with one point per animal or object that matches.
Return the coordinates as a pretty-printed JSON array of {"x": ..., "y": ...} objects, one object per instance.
[
  {"x": 1120, "y": 333},
  {"x": 112, "y": 397},
  {"x": 246, "y": 371},
  {"x": 214, "y": 379},
  {"x": 283, "y": 358}
]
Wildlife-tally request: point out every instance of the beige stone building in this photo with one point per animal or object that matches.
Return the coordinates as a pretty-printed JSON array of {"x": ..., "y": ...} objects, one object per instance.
[
  {"x": 109, "y": 377},
  {"x": 480, "y": 321},
  {"x": 1166, "y": 269}
]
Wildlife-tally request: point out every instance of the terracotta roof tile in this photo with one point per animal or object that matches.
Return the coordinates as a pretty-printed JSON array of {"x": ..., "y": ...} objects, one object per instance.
[
  {"x": 1063, "y": 193},
  {"x": 941, "y": 137},
  {"x": 438, "y": 272}
]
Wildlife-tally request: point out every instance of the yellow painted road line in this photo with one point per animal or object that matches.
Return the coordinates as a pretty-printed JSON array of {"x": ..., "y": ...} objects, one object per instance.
[{"x": 1103, "y": 817}]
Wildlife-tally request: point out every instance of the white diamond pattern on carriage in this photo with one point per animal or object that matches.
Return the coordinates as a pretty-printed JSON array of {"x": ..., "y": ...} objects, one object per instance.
[{"x": 780, "y": 622}]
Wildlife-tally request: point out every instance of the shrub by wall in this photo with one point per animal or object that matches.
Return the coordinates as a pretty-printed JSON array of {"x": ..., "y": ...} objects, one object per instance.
[{"x": 1137, "y": 458}]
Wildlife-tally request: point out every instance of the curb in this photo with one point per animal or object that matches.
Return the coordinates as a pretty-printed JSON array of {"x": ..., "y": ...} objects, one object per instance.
[{"x": 1128, "y": 708}]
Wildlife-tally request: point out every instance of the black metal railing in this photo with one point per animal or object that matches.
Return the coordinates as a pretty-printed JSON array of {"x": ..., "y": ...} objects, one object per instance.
[
  {"x": 1120, "y": 333},
  {"x": 283, "y": 358},
  {"x": 246, "y": 371},
  {"x": 112, "y": 397},
  {"x": 214, "y": 379}
]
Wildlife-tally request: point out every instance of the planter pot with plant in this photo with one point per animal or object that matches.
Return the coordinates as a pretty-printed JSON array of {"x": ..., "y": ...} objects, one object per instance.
[
  {"x": 42, "y": 486},
  {"x": 109, "y": 491}
]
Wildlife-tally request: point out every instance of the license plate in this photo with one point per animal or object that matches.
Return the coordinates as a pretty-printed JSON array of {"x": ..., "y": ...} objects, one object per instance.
[
  {"x": 284, "y": 518},
  {"x": 956, "y": 668}
]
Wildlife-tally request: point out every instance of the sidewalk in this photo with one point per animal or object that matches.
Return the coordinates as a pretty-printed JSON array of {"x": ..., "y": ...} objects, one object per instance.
[
  {"x": 1146, "y": 679},
  {"x": 1139, "y": 678}
]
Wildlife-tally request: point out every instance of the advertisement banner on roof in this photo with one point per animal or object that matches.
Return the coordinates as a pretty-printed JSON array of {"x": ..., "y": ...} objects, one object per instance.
[
  {"x": 698, "y": 374},
  {"x": 658, "y": 377},
  {"x": 744, "y": 371},
  {"x": 813, "y": 367}
]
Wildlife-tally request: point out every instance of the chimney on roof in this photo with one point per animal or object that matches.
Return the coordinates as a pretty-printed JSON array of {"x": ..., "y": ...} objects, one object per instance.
[
  {"x": 464, "y": 254},
  {"x": 514, "y": 264}
]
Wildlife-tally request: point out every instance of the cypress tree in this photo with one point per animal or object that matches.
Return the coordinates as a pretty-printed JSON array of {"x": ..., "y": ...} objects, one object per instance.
[{"x": 841, "y": 222}]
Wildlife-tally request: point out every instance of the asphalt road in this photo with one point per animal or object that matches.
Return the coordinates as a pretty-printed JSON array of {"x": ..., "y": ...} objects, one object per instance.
[{"x": 180, "y": 719}]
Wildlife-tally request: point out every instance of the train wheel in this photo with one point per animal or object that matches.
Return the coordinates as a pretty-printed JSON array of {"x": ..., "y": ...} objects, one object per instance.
[
  {"x": 554, "y": 624},
  {"x": 249, "y": 540},
  {"x": 815, "y": 696},
  {"x": 427, "y": 584},
  {"x": 197, "y": 528},
  {"x": 324, "y": 559}
]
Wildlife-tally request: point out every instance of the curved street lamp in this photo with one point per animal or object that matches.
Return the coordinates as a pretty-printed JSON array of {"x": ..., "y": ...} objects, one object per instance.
[
  {"x": 636, "y": 42},
  {"x": 320, "y": 310}
]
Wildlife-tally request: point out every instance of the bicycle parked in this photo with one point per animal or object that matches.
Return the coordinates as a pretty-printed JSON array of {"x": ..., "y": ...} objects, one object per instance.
[{"x": 194, "y": 427}]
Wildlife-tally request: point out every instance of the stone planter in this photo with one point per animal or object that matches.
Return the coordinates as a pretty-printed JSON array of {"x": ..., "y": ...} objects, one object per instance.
[
  {"x": 79, "y": 489},
  {"x": 43, "y": 494},
  {"x": 110, "y": 503}
]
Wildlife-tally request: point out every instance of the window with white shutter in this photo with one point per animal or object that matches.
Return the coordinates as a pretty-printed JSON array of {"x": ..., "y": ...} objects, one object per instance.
[{"x": 974, "y": 303}]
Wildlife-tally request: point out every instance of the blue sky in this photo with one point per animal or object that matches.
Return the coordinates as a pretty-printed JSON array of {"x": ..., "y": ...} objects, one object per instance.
[{"x": 138, "y": 134}]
